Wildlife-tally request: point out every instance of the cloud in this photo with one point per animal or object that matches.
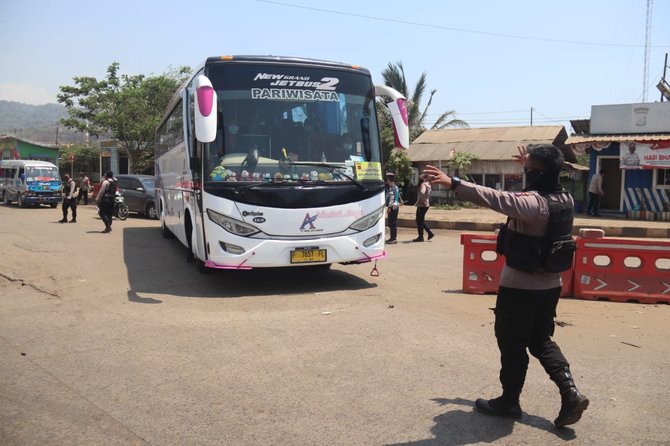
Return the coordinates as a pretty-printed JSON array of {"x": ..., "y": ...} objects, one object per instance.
[{"x": 25, "y": 93}]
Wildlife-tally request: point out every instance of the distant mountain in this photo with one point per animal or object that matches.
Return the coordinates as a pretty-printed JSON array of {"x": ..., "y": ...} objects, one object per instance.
[{"x": 36, "y": 123}]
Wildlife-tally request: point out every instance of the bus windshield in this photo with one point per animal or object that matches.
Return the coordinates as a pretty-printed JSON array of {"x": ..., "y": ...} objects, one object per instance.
[{"x": 290, "y": 123}]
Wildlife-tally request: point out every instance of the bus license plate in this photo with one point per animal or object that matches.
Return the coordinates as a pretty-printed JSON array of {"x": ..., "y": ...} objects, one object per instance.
[{"x": 308, "y": 255}]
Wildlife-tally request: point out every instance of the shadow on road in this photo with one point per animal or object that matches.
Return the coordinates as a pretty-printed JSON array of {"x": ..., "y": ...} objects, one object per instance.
[
  {"x": 462, "y": 427},
  {"x": 158, "y": 266}
]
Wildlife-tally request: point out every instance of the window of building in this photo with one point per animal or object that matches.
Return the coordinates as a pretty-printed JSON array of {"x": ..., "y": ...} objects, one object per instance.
[
  {"x": 476, "y": 178},
  {"x": 513, "y": 183},
  {"x": 493, "y": 180},
  {"x": 662, "y": 178}
]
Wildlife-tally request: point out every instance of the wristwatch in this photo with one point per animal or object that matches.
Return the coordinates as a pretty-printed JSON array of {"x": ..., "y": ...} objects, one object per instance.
[{"x": 455, "y": 182}]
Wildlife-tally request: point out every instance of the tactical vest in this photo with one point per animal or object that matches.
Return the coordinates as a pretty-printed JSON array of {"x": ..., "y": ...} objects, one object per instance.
[
  {"x": 552, "y": 252},
  {"x": 110, "y": 192}
]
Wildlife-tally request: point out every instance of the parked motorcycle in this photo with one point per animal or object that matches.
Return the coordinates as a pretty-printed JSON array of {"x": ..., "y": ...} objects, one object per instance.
[{"x": 120, "y": 207}]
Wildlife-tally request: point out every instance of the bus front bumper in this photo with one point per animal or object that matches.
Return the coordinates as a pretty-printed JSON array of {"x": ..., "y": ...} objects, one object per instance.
[{"x": 283, "y": 253}]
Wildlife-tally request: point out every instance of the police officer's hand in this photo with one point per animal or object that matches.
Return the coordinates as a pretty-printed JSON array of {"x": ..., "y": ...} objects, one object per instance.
[
  {"x": 436, "y": 176},
  {"x": 523, "y": 154}
]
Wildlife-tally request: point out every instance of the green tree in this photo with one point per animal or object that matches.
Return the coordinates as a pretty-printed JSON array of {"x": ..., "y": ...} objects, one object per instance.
[
  {"x": 394, "y": 77},
  {"x": 461, "y": 161},
  {"x": 400, "y": 164},
  {"x": 86, "y": 158},
  {"x": 124, "y": 107}
]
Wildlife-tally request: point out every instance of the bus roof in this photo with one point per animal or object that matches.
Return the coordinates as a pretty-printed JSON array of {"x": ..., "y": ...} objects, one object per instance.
[
  {"x": 285, "y": 60},
  {"x": 299, "y": 61}
]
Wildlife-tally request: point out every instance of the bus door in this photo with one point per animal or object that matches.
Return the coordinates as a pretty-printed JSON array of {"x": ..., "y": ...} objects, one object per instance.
[{"x": 195, "y": 153}]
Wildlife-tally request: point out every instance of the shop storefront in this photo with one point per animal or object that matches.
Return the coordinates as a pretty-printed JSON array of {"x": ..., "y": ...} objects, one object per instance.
[{"x": 630, "y": 145}]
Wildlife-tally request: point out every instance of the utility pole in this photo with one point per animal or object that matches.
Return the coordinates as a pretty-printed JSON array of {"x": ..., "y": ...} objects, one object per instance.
[
  {"x": 531, "y": 116},
  {"x": 665, "y": 67}
]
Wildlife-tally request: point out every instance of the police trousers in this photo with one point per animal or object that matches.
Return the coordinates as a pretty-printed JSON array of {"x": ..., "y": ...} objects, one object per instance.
[
  {"x": 525, "y": 322},
  {"x": 106, "y": 210}
]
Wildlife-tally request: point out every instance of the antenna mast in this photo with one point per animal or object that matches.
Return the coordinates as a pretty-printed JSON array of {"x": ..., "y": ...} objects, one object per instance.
[{"x": 647, "y": 45}]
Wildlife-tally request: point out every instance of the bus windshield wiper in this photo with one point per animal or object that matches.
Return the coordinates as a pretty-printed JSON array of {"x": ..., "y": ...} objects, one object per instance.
[{"x": 333, "y": 168}]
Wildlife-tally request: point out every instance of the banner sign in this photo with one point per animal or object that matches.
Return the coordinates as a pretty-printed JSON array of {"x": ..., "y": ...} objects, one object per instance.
[{"x": 635, "y": 155}]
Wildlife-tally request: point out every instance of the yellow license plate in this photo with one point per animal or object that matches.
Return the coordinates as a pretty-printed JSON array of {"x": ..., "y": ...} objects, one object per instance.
[{"x": 308, "y": 255}]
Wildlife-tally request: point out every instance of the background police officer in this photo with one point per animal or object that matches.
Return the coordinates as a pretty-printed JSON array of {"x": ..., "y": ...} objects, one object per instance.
[
  {"x": 526, "y": 303},
  {"x": 69, "y": 199},
  {"x": 105, "y": 200}
]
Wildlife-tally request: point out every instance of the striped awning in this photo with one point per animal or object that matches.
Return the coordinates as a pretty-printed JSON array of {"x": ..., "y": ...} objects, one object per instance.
[{"x": 587, "y": 139}]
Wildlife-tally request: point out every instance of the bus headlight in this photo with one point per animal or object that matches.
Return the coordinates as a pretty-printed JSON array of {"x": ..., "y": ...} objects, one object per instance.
[
  {"x": 368, "y": 221},
  {"x": 231, "y": 225}
]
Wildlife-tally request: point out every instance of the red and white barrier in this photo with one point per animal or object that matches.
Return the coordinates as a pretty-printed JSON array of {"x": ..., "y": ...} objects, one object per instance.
[
  {"x": 622, "y": 270},
  {"x": 482, "y": 266}
]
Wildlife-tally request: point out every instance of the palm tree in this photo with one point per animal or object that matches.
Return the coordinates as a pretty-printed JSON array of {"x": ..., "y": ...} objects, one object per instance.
[{"x": 394, "y": 77}]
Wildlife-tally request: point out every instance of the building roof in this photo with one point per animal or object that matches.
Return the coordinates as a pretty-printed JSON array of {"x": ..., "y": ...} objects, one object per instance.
[
  {"x": 581, "y": 126},
  {"x": 9, "y": 138},
  {"x": 490, "y": 144}
]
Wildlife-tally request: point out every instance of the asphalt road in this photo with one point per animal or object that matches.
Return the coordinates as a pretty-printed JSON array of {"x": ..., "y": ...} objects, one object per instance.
[{"x": 115, "y": 339}]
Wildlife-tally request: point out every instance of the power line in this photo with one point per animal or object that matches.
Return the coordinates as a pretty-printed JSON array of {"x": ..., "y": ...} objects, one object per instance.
[
  {"x": 463, "y": 30},
  {"x": 482, "y": 113},
  {"x": 548, "y": 118}
]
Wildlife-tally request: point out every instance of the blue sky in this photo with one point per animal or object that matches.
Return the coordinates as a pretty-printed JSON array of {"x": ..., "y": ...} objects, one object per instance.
[{"x": 479, "y": 70}]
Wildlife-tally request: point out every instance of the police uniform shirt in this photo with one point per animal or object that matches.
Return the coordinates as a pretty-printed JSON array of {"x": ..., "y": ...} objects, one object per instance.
[{"x": 529, "y": 214}]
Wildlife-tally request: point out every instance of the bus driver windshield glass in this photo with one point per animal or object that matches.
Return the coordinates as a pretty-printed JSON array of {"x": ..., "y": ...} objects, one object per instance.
[{"x": 278, "y": 123}]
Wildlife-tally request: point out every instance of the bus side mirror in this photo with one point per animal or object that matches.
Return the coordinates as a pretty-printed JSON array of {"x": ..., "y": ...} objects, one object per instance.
[
  {"x": 398, "y": 111},
  {"x": 205, "y": 110}
]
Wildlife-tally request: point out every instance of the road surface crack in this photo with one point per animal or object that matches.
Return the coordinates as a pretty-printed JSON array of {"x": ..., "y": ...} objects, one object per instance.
[{"x": 31, "y": 285}]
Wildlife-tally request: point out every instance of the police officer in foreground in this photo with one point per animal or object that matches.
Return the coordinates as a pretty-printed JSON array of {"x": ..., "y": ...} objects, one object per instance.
[{"x": 537, "y": 245}]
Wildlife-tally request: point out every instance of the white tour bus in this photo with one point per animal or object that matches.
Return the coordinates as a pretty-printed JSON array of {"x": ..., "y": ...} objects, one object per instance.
[
  {"x": 273, "y": 161},
  {"x": 30, "y": 182}
]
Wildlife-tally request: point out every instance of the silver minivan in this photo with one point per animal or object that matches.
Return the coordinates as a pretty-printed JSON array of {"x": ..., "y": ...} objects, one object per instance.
[{"x": 30, "y": 182}]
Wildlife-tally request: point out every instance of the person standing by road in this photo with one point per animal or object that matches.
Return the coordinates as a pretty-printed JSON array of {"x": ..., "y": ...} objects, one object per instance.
[
  {"x": 392, "y": 206},
  {"x": 596, "y": 193},
  {"x": 84, "y": 187},
  {"x": 105, "y": 200},
  {"x": 528, "y": 292},
  {"x": 422, "y": 204},
  {"x": 69, "y": 200}
]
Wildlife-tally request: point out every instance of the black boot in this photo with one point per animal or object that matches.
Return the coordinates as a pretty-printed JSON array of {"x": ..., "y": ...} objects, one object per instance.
[
  {"x": 500, "y": 407},
  {"x": 573, "y": 403}
]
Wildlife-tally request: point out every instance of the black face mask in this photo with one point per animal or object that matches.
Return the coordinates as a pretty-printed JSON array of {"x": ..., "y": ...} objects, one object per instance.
[{"x": 540, "y": 181}]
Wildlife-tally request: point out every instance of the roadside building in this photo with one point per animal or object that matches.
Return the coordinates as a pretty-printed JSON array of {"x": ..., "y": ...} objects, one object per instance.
[
  {"x": 631, "y": 144},
  {"x": 494, "y": 147},
  {"x": 13, "y": 148}
]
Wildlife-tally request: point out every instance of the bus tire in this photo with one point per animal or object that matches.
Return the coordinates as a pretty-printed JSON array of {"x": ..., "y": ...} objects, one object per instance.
[
  {"x": 53, "y": 205},
  {"x": 190, "y": 257},
  {"x": 165, "y": 231}
]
